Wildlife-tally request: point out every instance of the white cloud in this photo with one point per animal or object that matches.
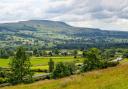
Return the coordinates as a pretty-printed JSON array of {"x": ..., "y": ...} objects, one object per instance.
[{"x": 107, "y": 14}]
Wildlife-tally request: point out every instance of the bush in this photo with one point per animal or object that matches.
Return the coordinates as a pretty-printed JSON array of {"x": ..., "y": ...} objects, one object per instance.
[
  {"x": 95, "y": 61},
  {"x": 103, "y": 64},
  {"x": 4, "y": 73},
  {"x": 71, "y": 67},
  {"x": 108, "y": 64},
  {"x": 63, "y": 69},
  {"x": 28, "y": 79},
  {"x": 3, "y": 80},
  {"x": 112, "y": 64},
  {"x": 91, "y": 65},
  {"x": 125, "y": 55}
]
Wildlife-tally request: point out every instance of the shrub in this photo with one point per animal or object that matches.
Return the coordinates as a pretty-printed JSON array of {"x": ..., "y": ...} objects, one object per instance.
[
  {"x": 71, "y": 67},
  {"x": 112, "y": 64},
  {"x": 63, "y": 69},
  {"x": 95, "y": 61},
  {"x": 108, "y": 64},
  {"x": 125, "y": 55},
  {"x": 28, "y": 79},
  {"x": 3, "y": 80},
  {"x": 91, "y": 65},
  {"x": 4, "y": 73}
]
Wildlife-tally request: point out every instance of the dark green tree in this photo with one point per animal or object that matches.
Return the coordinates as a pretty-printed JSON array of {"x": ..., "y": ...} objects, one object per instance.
[
  {"x": 56, "y": 51},
  {"x": 84, "y": 53},
  {"x": 20, "y": 67},
  {"x": 75, "y": 53},
  {"x": 4, "y": 53},
  {"x": 51, "y": 65},
  {"x": 93, "y": 60},
  {"x": 35, "y": 51},
  {"x": 108, "y": 54},
  {"x": 125, "y": 54},
  {"x": 50, "y": 54}
]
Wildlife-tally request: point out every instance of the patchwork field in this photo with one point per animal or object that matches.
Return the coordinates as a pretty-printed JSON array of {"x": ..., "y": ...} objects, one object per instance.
[
  {"x": 42, "y": 62},
  {"x": 110, "y": 78}
]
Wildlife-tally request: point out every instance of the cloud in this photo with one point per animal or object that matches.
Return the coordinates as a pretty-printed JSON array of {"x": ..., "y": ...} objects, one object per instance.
[{"x": 106, "y": 14}]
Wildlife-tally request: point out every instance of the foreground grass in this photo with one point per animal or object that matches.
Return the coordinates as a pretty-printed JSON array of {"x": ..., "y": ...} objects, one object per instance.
[{"x": 111, "y": 78}]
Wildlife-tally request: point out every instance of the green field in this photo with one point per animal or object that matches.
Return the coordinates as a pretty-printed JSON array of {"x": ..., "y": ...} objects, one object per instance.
[
  {"x": 42, "y": 62},
  {"x": 4, "y": 62}
]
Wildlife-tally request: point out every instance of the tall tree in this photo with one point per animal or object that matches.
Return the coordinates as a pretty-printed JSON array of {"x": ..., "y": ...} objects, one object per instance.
[
  {"x": 3, "y": 53},
  {"x": 92, "y": 60},
  {"x": 75, "y": 53},
  {"x": 51, "y": 65},
  {"x": 20, "y": 67}
]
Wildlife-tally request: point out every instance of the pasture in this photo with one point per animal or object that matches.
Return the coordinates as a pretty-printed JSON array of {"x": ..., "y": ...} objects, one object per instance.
[{"x": 42, "y": 62}]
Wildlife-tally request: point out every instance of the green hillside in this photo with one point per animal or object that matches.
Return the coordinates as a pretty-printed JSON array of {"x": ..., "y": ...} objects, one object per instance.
[{"x": 55, "y": 34}]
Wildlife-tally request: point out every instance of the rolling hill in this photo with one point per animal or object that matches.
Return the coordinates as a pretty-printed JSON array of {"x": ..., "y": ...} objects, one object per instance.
[{"x": 56, "y": 34}]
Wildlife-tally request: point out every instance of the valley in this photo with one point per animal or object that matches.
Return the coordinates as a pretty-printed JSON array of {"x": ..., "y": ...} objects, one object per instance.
[{"x": 54, "y": 34}]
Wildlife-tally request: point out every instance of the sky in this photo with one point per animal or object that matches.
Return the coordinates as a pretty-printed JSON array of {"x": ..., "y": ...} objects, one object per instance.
[{"x": 104, "y": 14}]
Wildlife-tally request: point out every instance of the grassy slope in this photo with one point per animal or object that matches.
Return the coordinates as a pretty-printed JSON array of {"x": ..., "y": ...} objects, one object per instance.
[{"x": 111, "y": 78}]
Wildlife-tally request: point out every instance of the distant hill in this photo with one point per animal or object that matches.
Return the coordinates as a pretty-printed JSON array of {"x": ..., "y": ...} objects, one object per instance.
[{"x": 49, "y": 34}]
